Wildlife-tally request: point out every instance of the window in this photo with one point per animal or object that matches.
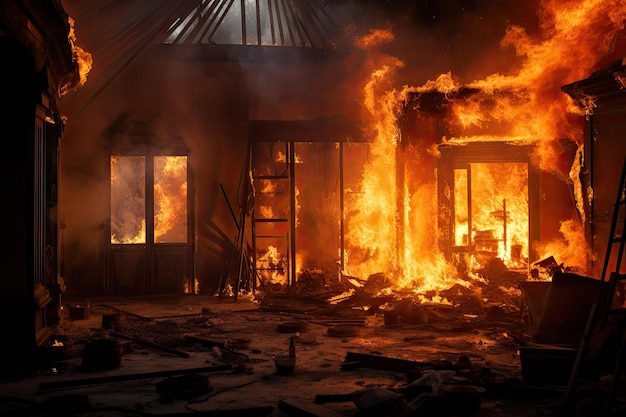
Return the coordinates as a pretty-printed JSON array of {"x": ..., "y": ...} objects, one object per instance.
[
  {"x": 165, "y": 179},
  {"x": 128, "y": 199},
  {"x": 170, "y": 199}
]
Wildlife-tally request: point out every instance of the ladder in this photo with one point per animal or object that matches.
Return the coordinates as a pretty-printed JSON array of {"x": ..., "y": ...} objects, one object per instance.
[
  {"x": 607, "y": 304},
  {"x": 273, "y": 211}
]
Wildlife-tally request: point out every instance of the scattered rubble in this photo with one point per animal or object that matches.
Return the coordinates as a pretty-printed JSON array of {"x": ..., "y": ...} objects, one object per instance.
[{"x": 368, "y": 353}]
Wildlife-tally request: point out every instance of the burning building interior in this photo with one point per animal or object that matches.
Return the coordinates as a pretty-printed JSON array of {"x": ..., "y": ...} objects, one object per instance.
[{"x": 314, "y": 208}]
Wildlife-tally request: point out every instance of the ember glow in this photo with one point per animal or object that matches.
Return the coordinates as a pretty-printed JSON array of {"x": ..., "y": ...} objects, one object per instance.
[
  {"x": 525, "y": 107},
  {"x": 274, "y": 264}
]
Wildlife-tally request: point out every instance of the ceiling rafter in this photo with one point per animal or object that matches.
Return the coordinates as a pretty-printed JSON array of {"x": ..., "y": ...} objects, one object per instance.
[{"x": 294, "y": 23}]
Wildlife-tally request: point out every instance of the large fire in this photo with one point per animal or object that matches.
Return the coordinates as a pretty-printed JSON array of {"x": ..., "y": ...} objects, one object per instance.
[{"x": 524, "y": 107}]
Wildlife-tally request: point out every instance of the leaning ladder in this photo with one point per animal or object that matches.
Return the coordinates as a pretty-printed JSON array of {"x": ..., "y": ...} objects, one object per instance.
[{"x": 604, "y": 306}]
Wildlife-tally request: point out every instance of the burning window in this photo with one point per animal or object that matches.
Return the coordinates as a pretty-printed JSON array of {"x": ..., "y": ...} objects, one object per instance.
[
  {"x": 128, "y": 199},
  {"x": 167, "y": 199},
  {"x": 170, "y": 199}
]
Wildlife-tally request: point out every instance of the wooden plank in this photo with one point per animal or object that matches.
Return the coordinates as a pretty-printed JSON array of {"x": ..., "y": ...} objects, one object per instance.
[
  {"x": 129, "y": 377},
  {"x": 150, "y": 345},
  {"x": 382, "y": 362},
  {"x": 300, "y": 408},
  {"x": 333, "y": 398},
  {"x": 204, "y": 341},
  {"x": 236, "y": 412},
  {"x": 316, "y": 130}
]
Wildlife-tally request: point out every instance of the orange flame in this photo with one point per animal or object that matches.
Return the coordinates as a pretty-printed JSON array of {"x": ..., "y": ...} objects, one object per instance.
[
  {"x": 525, "y": 107},
  {"x": 170, "y": 198},
  {"x": 83, "y": 58}
]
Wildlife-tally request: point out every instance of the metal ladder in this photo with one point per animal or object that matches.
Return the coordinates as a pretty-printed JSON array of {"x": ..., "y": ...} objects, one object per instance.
[{"x": 606, "y": 307}]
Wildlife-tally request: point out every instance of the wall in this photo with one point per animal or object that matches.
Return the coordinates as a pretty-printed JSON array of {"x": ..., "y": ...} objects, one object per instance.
[{"x": 206, "y": 104}]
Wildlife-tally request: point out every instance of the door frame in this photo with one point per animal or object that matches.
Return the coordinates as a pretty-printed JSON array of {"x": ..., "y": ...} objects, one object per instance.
[{"x": 151, "y": 268}]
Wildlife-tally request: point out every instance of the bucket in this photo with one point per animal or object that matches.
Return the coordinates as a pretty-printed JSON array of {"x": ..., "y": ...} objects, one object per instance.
[
  {"x": 285, "y": 364},
  {"x": 102, "y": 354}
]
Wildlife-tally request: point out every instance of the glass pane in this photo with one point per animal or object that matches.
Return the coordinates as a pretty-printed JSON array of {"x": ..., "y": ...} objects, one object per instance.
[
  {"x": 251, "y": 23},
  {"x": 461, "y": 212},
  {"x": 170, "y": 199},
  {"x": 318, "y": 211},
  {"x": 128, "y": 199},
  {"x": 267, "y": 36},
  {"x": 229, "y": 30}
]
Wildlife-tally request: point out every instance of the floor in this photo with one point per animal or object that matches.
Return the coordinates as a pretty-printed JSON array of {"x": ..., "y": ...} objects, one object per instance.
[{"x": 206, "y": 355}]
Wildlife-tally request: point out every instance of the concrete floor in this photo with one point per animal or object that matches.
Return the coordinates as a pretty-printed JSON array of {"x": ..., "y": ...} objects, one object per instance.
[{"x": 259, "y": 334}]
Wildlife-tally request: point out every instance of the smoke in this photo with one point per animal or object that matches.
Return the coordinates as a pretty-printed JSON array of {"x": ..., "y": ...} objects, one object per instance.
[{"x": 133, "y": 97}]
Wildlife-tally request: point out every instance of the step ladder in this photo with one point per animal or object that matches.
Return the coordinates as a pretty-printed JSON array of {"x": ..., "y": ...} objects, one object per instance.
[{"x": 609, "y": 308}]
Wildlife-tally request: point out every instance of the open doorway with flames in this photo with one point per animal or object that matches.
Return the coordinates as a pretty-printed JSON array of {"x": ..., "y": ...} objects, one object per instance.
[
  {"x": 303, "y": 174},
  {"x": 488, "y": 189}
]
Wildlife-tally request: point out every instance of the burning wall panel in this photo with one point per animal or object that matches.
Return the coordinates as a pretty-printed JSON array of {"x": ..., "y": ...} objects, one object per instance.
[{"x": 318, "y": 221}]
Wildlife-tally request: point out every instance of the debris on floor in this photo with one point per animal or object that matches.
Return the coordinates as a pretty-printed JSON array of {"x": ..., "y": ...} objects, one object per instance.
[{"x": 300, "y": 356}]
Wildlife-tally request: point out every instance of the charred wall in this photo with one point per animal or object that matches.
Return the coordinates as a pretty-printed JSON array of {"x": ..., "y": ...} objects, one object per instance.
[
  {"x": 207, "y": 106},
  {"x": 37, "y": 67},
  {"x": 601, "y": 97}
]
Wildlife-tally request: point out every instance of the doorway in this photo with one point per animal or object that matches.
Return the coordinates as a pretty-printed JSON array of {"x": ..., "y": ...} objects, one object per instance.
[
  {"x": 491, "y": 212},
  {"x": 151, "y": 225},
  {"x": 488, "y": 195}
]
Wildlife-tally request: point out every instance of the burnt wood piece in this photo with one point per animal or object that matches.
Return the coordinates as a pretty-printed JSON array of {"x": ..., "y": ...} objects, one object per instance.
[
  {"x": 176, "y": 316},
  {"x": 129, "y": 377},
  {"x": 299, "y": 408},
  {"x": 150, "y": 345},
  {"x": 128, "y": 313},
  {"x": 363, "y": 360},
  {"x": 236, "y": 412},
  {"x": 354, "y": 322},
  {"x": 333, "y": 398},
  {"x": 47, "y": 408},
  {"x": 205, "y": 342},
  {"x": 323, "y": 129},
  {"x": 340, "y": 321},
  {"x": 283, "y": 310}
]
